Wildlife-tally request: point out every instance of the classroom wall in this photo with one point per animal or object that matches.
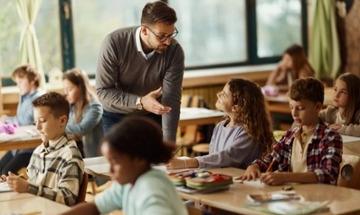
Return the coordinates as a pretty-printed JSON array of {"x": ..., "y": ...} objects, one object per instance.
[{"x": 352, "y": 39}]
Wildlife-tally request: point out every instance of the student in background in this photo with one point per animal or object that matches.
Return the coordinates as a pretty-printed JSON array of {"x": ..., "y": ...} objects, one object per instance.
[
  {"x": 309, "y": 152},
  {"x": 56, "y": 168},
  {"x": 293, "y": 65},
  {"x": 344, "y": 114},
  {"x": 85, "y": 112},
  {"x": 131, "y": 147},
  {"x": 28, "y": 81},
  {"x": 243, "y": 136}
]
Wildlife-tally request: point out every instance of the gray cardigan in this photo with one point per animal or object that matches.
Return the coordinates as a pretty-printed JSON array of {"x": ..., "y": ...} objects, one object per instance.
[
  {"x": 89, "y": 127},
  {"x": 329, "y": 116}
]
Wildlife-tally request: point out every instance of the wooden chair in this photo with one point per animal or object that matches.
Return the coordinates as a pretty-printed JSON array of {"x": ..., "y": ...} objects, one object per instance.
[
  {"x": 200, "y": 149},
  {"x": 349, "y": 175},
  {"x": 82, "y": 189},
  {"x": 189, "y": 135}
]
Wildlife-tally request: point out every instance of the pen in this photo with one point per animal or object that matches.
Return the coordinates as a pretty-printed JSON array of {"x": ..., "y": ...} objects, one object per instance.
[
  {"x": 177, "y": 150},
  {"x": 269, "y": 169}
]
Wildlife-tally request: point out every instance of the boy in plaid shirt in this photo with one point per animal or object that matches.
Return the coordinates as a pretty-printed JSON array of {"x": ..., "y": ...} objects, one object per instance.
[
  {"x": 56, "y": 167},
  {"x": 309, "y": 152}
]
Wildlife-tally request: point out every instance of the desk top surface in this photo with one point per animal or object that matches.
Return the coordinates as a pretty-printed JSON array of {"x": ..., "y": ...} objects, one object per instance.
[
  {"x": 342, "y": 200},
  {"x": 196, "y": 113},
  {"x": 23, "y": 203},
  {"x": 21, "y": 133}
]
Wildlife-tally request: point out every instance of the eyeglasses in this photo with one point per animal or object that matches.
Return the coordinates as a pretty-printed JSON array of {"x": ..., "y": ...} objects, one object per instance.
[{"x": 163, "y": 38}]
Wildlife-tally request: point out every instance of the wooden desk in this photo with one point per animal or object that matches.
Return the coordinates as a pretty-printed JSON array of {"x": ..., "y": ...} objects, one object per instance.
[
  {"x": 278, "y": 104},
  {"x": 22, "y": 139},
  {"x": 342, "y": 200},
  {"x": 23, "y": 203},
  {"x": 351, "y": 145},
  {"x": 199, "y": 116},
  {"x": 188, "y": 116}
]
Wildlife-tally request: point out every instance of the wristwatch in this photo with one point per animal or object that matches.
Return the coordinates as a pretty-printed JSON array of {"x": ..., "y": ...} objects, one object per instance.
[{"x": 138, "y": 104}]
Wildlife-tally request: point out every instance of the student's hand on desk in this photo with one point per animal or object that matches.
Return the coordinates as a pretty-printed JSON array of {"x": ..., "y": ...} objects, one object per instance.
[
  {"x": 17, "y": 183},
  {"x": 274, "y": 178},
  {"x": 151, "y": 104},
  {"x": 251, "y": 173}
]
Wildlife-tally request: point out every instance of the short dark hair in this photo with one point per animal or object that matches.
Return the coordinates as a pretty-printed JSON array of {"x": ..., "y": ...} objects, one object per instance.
[
  {"x": 307, "y": 88},
  {"x": 139, "y": 137},
  {"x": 55, "y": 101},
  {"x": 158, "y": 11},
  {"x": 29, "y": 72}
]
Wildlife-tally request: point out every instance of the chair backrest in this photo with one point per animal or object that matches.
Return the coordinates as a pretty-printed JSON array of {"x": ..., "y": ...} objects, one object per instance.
[
  {"x": 83, "y": 188},
  {"x": 190, "y": 132},
  {"x": 349, "y": 175}
]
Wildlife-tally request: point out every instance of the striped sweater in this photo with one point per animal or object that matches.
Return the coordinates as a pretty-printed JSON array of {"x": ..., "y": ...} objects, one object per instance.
[{"x": 56, "y": 171}]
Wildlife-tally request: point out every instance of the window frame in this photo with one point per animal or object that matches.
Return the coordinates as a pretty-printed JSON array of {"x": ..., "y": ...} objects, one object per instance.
[{"x": 68, "y": 46}]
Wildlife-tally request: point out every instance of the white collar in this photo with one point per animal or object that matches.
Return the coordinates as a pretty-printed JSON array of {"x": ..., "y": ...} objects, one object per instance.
[{"x": 139, "y": 47}]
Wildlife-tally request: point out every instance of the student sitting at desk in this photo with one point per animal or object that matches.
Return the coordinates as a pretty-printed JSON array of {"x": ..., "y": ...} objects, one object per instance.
[
  {"x": 85, "y": 112},
  {"x": 293, "y": 65},
  {"x": 344, "y": 114},
  {"x": 27, "y": 80},
  {"x": 131, "y": 147},
  {"x": 243, "y": 136},
  {"x": 56, "y": 168},
  {"x": 309, "y": 152}
]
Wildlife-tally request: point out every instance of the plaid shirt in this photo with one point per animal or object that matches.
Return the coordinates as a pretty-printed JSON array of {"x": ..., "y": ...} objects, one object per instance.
[
  {"x": 324, "y": 154},
  {"x": 56, "y": 171}
]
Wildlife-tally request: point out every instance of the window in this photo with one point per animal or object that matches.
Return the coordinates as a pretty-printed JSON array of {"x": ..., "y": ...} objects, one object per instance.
[
  {"x": 9, "y": 45},
  {"x": 47, "y": 30},
  {"x": 90, "y": 30},
  {"x": 278, "y": 26},
  {"x": 211, "y": 32}
]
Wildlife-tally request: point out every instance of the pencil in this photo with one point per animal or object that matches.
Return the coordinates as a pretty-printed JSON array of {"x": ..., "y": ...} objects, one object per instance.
[
  {"x": 269, "y": 169},
  {"x": 177, "y": 150}
]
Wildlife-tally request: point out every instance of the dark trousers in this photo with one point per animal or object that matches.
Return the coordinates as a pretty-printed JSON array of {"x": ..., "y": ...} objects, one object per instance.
[
  {"x": 109, "y": 118},
  {"x": 14, "y": 163}
]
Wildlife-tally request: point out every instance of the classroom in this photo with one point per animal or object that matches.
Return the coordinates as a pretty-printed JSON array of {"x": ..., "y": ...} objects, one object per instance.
[{"x": 207, "y": 107}]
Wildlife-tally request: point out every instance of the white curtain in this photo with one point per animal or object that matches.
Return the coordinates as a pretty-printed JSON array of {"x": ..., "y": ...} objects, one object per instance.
[{"x": 29, "y": 46}]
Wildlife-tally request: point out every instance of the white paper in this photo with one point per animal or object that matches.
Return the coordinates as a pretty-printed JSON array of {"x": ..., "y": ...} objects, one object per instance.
[
  {"x": 98, "y": 165},
  {"x": 296, "y": 207},
  {"x": 253, "y": 183},
  {"x": 4, "y": 187}
]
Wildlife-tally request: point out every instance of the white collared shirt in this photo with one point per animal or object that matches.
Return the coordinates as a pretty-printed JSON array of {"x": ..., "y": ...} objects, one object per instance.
[{"x": 139, "y": 47}]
